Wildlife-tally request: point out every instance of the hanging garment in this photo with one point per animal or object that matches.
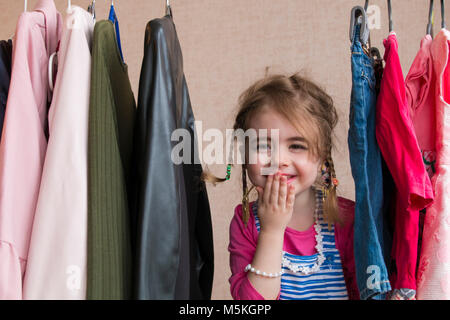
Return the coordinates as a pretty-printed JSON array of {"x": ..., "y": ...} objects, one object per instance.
[
  {"x": 398, "y": 143},
  {"x": 420, "y": 92},
  {"x": 421, "y": 96},
  {"x": 115, "y": 21},
  {"x": 371, "y": 231},
  {"x": 434, "y": 274},
  {"x": 24, "y": 141},
  {"x": 5, "y": 77},
  {"x": 56, "y": 268},
  {"x": 174, "y": 244},
  {"x": 336, "y": 278},
  {"x": 110, "y": 141}
]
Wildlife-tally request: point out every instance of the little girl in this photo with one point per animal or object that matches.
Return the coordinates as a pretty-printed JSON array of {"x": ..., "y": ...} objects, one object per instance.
[{"x": 296, "y": 240}]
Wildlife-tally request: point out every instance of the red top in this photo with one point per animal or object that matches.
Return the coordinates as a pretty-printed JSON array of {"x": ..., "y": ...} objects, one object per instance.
[
  {"x": 398, "y": 144},
  {"x": 243, "y": 242}
]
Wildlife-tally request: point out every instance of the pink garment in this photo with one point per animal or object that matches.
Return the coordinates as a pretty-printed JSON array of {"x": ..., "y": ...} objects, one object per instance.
[
  {"x": 399, "y": 147},
  {"x": 420, "y": 93},
  {"x": 434, "y": 272},
  {"x": 243, "y": 241},
  {"x": 23, "y": 144},
  {"x": 60, "y": 223}
]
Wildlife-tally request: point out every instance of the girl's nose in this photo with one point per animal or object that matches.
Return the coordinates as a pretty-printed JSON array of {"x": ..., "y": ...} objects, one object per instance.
[{"x": 283, "y": 159}]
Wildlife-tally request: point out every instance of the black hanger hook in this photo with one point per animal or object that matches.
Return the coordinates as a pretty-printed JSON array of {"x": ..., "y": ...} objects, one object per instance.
[
  {"x": 91, "y": 9},
  {"x": 443, "y": 14},
  {"x": 391, "y": 24},
  {"x": 366, "y": 5},
  {"x": 355, "y": 14},
  {"x": 168, "y": 9},
  {"x": 430, "y": 19}
]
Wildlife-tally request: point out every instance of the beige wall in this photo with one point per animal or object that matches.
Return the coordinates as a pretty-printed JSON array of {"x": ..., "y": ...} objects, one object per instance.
[{"x": 227, "y": 44}]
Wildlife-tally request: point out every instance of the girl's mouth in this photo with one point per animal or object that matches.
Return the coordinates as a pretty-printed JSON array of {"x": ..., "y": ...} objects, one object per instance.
[{"x": 290, "y": 179}]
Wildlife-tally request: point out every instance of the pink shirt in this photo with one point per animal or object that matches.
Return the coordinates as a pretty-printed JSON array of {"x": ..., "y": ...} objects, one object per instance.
[
  {"x": 420, "y": 93},
  {"x": 398, "y": 144},
  {"x": 433, "y": 280},
  {"x": 243, "y": 241},
  {"x": 23, "y": 144}
]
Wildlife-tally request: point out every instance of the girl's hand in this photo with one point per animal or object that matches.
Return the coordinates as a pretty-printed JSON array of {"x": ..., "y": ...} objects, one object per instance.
[{"x": 275, "y": 204}]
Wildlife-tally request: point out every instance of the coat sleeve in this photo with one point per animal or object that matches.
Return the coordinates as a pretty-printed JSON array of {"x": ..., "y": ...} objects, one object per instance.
[{"x": 204, "y": 236}]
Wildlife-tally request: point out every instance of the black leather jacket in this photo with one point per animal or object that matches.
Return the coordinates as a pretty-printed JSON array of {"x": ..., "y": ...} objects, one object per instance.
[{"x": 173, "y": 246}]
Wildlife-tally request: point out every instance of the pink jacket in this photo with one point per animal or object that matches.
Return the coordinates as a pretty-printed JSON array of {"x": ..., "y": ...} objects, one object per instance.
[
  {"x": 243, "y": 241},
  {"x": 398, "y": 143},
  {"x": 24, "y": 142},
  {"x": 60, "y": 222}
]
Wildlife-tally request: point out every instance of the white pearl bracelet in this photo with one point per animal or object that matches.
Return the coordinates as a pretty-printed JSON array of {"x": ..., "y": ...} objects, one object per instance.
[{"x": 264, "y": 274}]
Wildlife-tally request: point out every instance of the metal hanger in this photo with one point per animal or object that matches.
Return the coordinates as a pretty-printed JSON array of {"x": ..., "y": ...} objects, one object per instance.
[
  {"x": 358, "y": 15},
  {"x": 366, "y": 6},
  {"x": 113, "y": 18},
  {"x": 53, "y": 59},
  {"x": 391, "y": 24},
  {"x": 443, "y": 14},
  {"x": 168, "y": 9},
  {"x": 91, "y": 9},
  {"x": 51, "y": 62},
  {"x": 430, "y": 19}
]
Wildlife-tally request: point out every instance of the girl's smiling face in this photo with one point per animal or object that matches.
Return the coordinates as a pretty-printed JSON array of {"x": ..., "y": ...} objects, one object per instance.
[{"x": 294, "y": 158}]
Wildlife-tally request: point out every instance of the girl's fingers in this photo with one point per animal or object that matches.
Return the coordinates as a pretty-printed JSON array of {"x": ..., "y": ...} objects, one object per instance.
[
  {"x": 275, "y": 188},
  {"x": 267, "y": 189},
  {"x": 290, "y": 197},
  {"x": 260, "y": 193},
  {"x": 283, "y": 192}
]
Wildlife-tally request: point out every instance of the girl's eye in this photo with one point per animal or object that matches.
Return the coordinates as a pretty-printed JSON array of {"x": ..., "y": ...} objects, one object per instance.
[
  {"x": 263, "y": 147},
  {"x": 298, "y": 147}
]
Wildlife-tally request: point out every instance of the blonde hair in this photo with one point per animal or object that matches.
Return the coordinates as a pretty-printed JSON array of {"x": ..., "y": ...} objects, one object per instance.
[{"x": 308, "y": 108}]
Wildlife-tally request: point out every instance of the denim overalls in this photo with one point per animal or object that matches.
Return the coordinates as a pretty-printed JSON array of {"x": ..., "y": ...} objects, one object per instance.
[{"x": 371, "y": 239}]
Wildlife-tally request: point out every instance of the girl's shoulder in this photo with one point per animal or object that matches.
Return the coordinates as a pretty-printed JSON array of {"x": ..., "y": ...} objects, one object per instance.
[
  {"x": 344, "y": 232},
  {"x": 239, "y": 230},
  {"x": 238, "y": 212},
  {"x": 344, "y": 227},
  {"x": 346, "y": 211}
]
